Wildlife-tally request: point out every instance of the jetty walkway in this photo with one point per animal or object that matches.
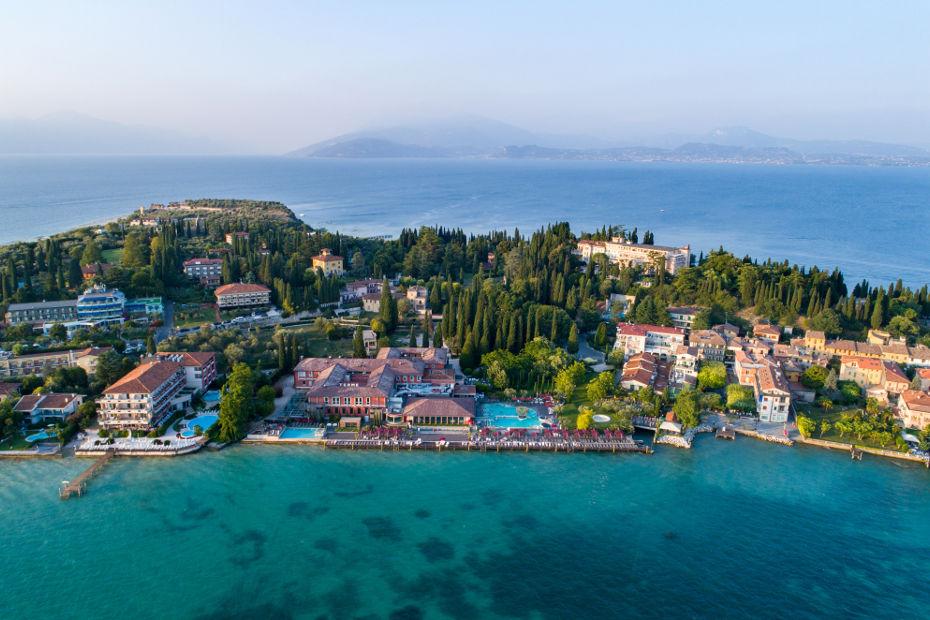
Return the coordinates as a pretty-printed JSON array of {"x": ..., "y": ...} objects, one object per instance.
[{"x": 79, "y": 484}]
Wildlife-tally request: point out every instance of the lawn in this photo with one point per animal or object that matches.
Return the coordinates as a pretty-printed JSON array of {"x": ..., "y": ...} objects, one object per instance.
[
  {"x": 113, "y": 256},
  {"x": 197, "y": 315},
  {"x": 832, "y": 416},
  {"x": 18, "y": 442},
  {"x": 313, "y": 343}
]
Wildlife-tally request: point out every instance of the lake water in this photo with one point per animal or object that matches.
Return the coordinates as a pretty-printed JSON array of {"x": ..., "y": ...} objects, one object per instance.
[
  {"x": 871, "y": 222},
  {"x": 728, "y": 529}
]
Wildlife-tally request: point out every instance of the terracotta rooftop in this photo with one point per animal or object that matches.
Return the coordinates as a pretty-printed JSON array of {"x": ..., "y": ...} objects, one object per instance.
[
  {"x": 30, "y": 402},
  {"x": 203, "y": 261},
  {"x": 240, "y": 288},
  {"x": 8, "y": 389},
  {"x": 916, "y": 401},
  {"x": 440, "y": 407},
  {"x": 631, "y": 329},
  {"x": 144, "y": 379}
]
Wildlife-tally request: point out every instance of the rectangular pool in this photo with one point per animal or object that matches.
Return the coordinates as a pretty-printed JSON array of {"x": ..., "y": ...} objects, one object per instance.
[
  {"x": 302, "y": 433},
  {"x": 505, "y": 415}
]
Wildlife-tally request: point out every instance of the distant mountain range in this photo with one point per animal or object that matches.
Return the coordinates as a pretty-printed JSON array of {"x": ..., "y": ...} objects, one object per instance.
[
  {"x": 69, "y": 133},
  {"x": 475, "y": 137}
]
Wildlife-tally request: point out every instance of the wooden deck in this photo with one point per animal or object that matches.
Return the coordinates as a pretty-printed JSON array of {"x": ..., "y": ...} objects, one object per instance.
[
  {"x": 79, "y": 484},
  {"x": 726, "y": 432}
]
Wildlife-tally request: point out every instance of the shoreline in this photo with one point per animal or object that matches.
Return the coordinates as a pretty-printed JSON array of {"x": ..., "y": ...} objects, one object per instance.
[{"x": 461, "y": 446}]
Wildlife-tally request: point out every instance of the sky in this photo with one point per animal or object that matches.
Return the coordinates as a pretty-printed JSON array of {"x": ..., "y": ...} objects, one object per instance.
[{"x": 273, "y": 76}]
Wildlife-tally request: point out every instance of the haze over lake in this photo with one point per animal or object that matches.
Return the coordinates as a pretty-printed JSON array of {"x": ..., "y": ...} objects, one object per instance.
[{"x": 871, "y": 222}]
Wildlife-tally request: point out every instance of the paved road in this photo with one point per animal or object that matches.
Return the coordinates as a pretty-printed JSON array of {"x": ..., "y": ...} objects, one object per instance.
[
  {"x": 585, "y": 351},
  {"x": 167, "y": 322}
]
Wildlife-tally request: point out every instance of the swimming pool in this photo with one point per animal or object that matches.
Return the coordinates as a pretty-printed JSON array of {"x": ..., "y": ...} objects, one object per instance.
[
  {"x": 302, "y": 433},
  {"x": 504, "y": 415},
  {"x": 203, "y": 421},
  {"x": 212, "y": 397},
  {"x": 40, "y": 436}
]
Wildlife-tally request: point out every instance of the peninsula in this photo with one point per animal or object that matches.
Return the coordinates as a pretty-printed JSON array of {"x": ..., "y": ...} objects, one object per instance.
[{"x": 208, "y": 322}]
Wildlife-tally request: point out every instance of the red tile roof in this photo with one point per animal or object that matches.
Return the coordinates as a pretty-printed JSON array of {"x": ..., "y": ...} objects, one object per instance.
[
  {"x": 240, "y": 288},
  {"x": 631, "y": 329},
  {"x": 145, "y": 379}
]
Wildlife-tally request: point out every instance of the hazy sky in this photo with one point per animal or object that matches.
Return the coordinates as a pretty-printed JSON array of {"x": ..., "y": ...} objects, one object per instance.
[{"x": 271, "y": 76}]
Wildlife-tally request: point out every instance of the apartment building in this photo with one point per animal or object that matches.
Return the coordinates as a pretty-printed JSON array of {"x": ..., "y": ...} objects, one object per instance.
[
  {"x": 42, "y": 363},
  {"x": 42, "y": 312},
  {"x": 143, "y": 398},
  {"x": 240, "y": 295},
  {"x": 208, "y": 271},
  {"x": 199, "y": 367},
  {"x": 101, "y": 306}
]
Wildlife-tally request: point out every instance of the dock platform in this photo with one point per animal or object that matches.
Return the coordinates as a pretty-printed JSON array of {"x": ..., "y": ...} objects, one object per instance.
[{"x": 725, "y": 432}]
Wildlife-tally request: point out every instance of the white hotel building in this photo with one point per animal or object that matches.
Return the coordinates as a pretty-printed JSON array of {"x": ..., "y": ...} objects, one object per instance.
[{"x": 626, "y": 254}]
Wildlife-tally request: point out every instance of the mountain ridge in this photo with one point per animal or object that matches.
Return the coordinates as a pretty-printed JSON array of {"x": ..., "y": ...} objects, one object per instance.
[{"x": 477, "y": 138}]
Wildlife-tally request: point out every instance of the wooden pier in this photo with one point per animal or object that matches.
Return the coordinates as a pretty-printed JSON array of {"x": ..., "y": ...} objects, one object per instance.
[
  {"x": 855, "y": 453},
  {"x": 507, "y": 445},
  {"x": 79, "y": 484},
  {"x": 725, "y": 432}
]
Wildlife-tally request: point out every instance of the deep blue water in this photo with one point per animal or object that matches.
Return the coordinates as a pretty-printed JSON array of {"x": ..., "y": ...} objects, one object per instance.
[
  {"x": 729, "y": 529},
  {"x": 871, "y": 222}
]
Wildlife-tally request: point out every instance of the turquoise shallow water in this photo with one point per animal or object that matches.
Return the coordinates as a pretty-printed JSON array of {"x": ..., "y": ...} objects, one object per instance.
[{"x": 739, "y": 529}]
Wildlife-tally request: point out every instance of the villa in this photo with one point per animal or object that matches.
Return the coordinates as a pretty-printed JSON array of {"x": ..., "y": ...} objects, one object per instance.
[
  {"x": 39, "y": 408},
  {"x": 417, "y": 295},
  {"x": 95, "y": 270},
  {"x": 683, "y": 316},
  {"x": 208, "y": 271},
  {"x": 355, "y": 290},
  {"x": 879, "y": 378},
  {"x": 240, "y": 295},
  {"x": 232, "y": 236},
  {"x": 656, "y": 339},
  {"x": 710, "y": 345},
  {"x": 770, "y": 386},
  {"x": 914, "y": 409},
  {"x": 144, "y": 397},
  {"x": 330, "y": 263},
  {"x": 767, "y": 332},
  {"x": 621, "y": 252}
]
